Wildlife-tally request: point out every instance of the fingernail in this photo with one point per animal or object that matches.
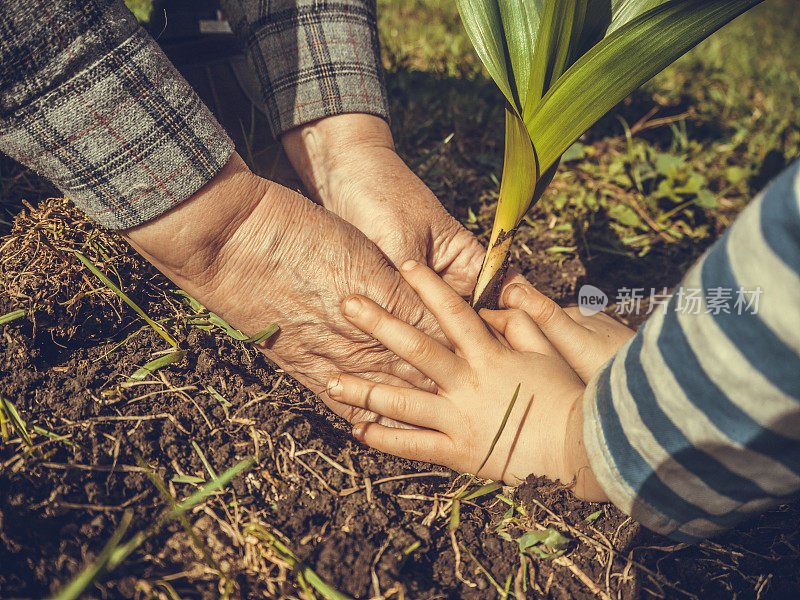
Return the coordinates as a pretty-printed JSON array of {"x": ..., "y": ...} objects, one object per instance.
[
  {"x": 352, "y": 307},
  {"x": 514, "y": 295},
  {"x": 408, "y": 265},
  {"x": 358, "y": 430},
  {"x": 334, "y": 387}
]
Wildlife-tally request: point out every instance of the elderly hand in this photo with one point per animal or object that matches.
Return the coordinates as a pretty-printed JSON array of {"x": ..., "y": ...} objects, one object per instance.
[
  {"x": 257, "y": 253},
  {"x": 349, "y": 164}
]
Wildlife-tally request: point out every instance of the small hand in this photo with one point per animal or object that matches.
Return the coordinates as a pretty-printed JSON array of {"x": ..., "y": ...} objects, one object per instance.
[
  {"x": 349, "y": 165},
  {"x": 585, "y": 342},
  {"x": 475, "y": 386}
]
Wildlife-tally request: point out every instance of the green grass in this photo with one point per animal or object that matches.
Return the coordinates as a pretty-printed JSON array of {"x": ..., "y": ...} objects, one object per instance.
[{"x": 731, "y": 123}]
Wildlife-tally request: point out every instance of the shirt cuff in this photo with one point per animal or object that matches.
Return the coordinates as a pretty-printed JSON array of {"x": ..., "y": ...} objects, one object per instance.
[
  {"x": 126, "y": 139},
  {"x": 314, "y": 59}
]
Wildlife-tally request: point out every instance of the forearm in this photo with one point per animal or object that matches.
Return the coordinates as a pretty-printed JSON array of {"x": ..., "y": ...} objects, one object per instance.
[
  {"x": 89, "y": 101},
  {"x": 692, "y": 427}
]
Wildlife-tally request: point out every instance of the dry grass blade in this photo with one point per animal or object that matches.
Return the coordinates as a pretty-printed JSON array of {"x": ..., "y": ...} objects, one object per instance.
[
  {"x": 124, "y": 297},
  {"x": 303, "y": 572},
  {"x": 503, "y": 424}
]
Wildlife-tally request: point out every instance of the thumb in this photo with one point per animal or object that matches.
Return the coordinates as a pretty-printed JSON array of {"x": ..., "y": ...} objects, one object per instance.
[{"x": 564, "y": 333}]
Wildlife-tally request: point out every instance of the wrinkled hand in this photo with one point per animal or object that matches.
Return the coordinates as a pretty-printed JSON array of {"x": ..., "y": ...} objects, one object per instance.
[
  {"x": 586, "y": 342},
  {"x": 349, "y": 164},
  {"x": 257, "y": 253}
]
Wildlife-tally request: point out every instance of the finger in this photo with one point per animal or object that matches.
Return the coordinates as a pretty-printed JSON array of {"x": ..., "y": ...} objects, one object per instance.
[
  {"x": 460, "y": 324},
  {"x": 561, "y": 330},
  {"x": 399, "y": 403},
  {"x": 549, "y": 316},
  {"x": 519, "y": 330},
  {"x": 409, "y": 343},
  {"x": 414, "y": 444}
]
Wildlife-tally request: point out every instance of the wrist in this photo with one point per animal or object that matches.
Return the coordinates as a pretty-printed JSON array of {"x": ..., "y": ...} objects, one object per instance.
[
  {"x": 187, "y": 242},
  {"x": 324, "y": 151},
  {"x": 577, "y": 469}
]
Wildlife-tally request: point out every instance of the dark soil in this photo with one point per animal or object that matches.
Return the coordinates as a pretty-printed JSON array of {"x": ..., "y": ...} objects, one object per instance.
[{"x": 66, "y": 365}]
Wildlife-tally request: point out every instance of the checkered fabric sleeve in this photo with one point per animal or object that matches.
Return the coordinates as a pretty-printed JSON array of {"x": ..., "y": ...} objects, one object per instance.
[
  {"x": 89, "y": 101},
  {"x": 315, "y": 58}
]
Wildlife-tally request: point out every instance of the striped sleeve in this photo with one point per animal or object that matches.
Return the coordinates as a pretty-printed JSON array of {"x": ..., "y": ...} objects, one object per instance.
[{"x": 694, "y": 425}]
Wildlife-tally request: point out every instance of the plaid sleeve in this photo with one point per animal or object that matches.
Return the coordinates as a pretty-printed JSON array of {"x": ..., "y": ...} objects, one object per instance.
[
  {"x": 314, "y": 59},
  {"x": 89, "y": 101}
]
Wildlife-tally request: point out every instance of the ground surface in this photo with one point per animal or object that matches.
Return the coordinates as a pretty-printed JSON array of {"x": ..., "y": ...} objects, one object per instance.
[{"x": 729, "y": 115}]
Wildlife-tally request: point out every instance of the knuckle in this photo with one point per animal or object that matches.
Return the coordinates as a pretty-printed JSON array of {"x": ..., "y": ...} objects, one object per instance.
[
  {"x": 396, "y": 403},
  {"x": 453, "y": 305},
  {"x": 412, "y": 446},
  {"x": 418, "y": 348},
  {"x": 544, "y": 311}
]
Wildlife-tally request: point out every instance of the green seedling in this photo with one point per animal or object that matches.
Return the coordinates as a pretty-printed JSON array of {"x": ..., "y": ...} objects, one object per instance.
[
  {"x": 174, "y": 356},
  {"x": 303, "y": 573},
  {"x": 124, "y": 297},
  {"x": 205, "y": 319},
  {"x": 12, "y": 316},
  {"x": 9, "y": 414},
  {"x": 561, "y": 65},
  {"x": 204, "y": 460},
  {"x": 116, "y": 552}
]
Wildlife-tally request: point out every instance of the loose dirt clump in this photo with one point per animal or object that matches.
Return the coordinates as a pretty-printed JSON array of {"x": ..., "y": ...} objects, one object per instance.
[{"x": 314, "y": 503}]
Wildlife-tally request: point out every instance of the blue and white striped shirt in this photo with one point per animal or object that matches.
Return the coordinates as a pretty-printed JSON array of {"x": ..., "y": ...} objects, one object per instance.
[{"x": 694, "y": 425}]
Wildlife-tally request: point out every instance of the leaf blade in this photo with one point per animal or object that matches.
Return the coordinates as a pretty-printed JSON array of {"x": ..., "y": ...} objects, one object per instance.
[{"x": 627, "y": 58}]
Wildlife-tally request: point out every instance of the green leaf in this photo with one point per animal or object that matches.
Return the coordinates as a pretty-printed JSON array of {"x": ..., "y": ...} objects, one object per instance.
[
  {"x": 142, "y": 9},
  {"x": 734, "y": 175},
  {"x": 158, "y": 363},
  {"x": 706, "y": 199},
  {"x": 619, "y": 64},
  {"x": 12, "y": 316},
  {"x": 19, "y": 425},
  {"x": 669, "y": 165},
  {"x": 484, "y": 27},
  {"x": 624, "y": 11},
  {"x": 489, "y": 488},
  {"x": 219, "y": 397},
  {"x": 549, "y": 537},
  {"x": 559, "y": 34},
  {"x": 521, "y": 25},
  {"x": 594, "y": 516},
  {"x": 625, "y": 215}
]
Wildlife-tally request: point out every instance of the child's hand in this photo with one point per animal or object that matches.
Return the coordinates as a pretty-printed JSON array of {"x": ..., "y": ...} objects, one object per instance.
[
  {"x": 543, "y": 434},
  {"x": 586, "y": 343}
]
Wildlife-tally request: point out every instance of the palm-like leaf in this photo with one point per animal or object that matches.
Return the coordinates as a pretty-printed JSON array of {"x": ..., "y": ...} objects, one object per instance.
[{"x": 561, "y": 65}]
